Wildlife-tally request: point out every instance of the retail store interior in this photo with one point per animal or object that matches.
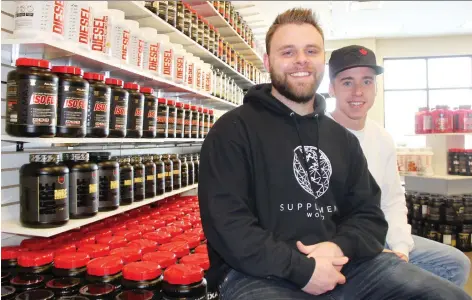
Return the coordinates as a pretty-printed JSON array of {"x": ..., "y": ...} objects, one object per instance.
[{"x": 159, "y": 75}]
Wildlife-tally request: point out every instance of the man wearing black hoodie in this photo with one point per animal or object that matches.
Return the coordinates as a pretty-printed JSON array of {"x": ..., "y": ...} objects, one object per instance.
[{"x": 286, "y": 197}]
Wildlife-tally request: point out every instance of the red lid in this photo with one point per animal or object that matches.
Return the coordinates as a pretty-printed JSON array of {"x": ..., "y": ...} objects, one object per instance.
[
  {"x": 202, "y": 249},
  {"x": 60, "y": 238},
  {"x": 102, "y": 233},
  {"x": 35, "y": 258},
  {"x": 175, "y": 211},
  {"x": 140, "y": 271},
  {"x": 135, "y": 212},
  {"x": 67, "y": 70},
  {"x": 33, "y": 62},
  {"x": 187, "y": 106},
  {"x": 155, "y": 223},
  {"x": 103, "y": 266},
  {"x": 161, "y": 237},
  {"x": 130, "y": 234},
  {"x": 193, "y": 240},
  {"x": 88, "y": 240},
  {"x": 174, "y": 230},
  {"x": 199, "y": 232},
  {"x": 186, "y": 209},
  {"x": 205, "y": 110},
  {"x": 127, "y": 254},
  {"x": 94, "y": 76},
  {"x": 197, "y": 225},
  {"x": 211, "y": 112},
  {"x": 118, "y": 227},
  {"x": 144, "y": 217},
  {"x": 190, "y": 218},
  {"x": 35, "y": 243},
  {"x": 131, "y": 223},
  {"x": 147, "y": 90},
  {"x": 170, "y": 102},
  {"x": 180, "y": 248},
  {"x": 162, "y": 100},
  {"x": 200, "y": 109},
  {"x": 199, "y": 259},
  {"x": 62, "y": 248},
  {"x": 179, "y": 104},
  {"x": 71, "y": 260},
  {"x": 146, "y": 246},
  {"x": 114, "y": 81},
  {"x": 132, "y": 86},
  {"x": 143, "y": 228},
  {"x": 113, "y": 241},
  {"x": 163, "y": 258},
  {"x": 95, "y": 250},
  {"x": 194, "y": 107},
  {"x": 155, "y": 214},
  {"x": 167, "y": 218},
  {"x": 183, "y": 274},
  {"x": 185, "y": 225},
  {"x": 12, "y": 252}
]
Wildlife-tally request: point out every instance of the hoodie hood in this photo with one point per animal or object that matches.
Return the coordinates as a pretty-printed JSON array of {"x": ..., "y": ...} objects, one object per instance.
[{"x": 261, "y": 93}]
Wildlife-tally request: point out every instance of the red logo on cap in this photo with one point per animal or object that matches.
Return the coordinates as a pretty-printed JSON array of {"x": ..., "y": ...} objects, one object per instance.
[
  {"x": 60, "y": 179},
  {"x": 363, "y": 51}
]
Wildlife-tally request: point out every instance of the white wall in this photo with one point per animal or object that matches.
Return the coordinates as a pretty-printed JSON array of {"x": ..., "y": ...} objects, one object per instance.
[{"x": 404, "y": 47}]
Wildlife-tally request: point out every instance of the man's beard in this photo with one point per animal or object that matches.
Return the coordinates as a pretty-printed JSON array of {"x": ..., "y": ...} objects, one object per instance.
[{"x": 301, "y": 94}]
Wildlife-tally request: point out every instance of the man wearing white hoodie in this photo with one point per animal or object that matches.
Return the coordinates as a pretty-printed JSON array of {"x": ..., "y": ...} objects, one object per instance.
[{"x": 353, "y": 70}]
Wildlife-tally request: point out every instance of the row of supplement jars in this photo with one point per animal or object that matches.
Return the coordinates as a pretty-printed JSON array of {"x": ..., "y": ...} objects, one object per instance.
[
  {"x": 45, "y": 101},
  {"x": 79, "y": 185},
  {"x": 446, "y": 219}
]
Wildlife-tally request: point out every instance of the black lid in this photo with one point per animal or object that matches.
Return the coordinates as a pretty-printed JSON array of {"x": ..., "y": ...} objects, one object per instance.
[
  {"x": 7, "y": 291},
  {"x": 135, "y": 294},
  {"x": 63, "y": 283},
  {"x": 157, "y": 156},
  {"x": 351, "y": 57},
  {"x": 97, "y": 289},
  {"x": 45, "y": 158},
  {"x": 84, "y": 156},
  {"x": 36, "y": 295},
  {"x": 99, "y": 155},
  {"x": 147, "y": 158},
  {"x": 136, "y": 159}
]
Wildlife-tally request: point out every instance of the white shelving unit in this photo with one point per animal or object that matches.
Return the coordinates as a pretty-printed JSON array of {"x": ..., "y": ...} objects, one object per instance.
[{"x": 15, "y": 227}]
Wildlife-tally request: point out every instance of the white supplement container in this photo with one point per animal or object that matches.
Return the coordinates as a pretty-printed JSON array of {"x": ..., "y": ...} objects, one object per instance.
[
  {"x": 198, "y": 81},
  {"x": 167, "y": 50},
  {"x": 100, "y": 27},
  {"x": 208, "y": 80},
  {"x": 151, "y": 53},
  {"x": 39, "y": 20},
  {"x": 136, "y": 44},
  {"x": 189, "y": 69},
  {"x": 179, "y": 64},
  {"x": 77, "y": 25},
  {"x": 119, "y": 38}
]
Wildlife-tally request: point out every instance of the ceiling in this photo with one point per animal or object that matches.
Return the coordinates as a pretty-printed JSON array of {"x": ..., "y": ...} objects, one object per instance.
[{"x": 368, "y": 19}]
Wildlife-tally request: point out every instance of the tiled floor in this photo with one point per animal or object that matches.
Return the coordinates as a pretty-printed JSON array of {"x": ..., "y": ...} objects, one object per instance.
[{"x": 468, "y": 286}]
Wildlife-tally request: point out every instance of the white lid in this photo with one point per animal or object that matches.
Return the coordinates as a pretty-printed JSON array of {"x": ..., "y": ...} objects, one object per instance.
[
  {"x": 133, "y": 25},
  {"x": 118, "y": 14},
  {"x": 149, "y": 33},
  {"x": 163, "y": 38},
  {"x": 178, "y": 47},
  {"x": 98, "y": 5},
  {"x": 189, "y": 55}
]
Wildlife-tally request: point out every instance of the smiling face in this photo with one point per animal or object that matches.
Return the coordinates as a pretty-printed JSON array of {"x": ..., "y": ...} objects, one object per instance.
[
  {"x": 355, "y": 90},
  {"x": 296, "y": 62}
]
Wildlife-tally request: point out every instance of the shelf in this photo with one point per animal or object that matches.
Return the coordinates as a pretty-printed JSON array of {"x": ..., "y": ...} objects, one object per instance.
[
  {"x": 146, "y": 18},
  {"x": 443, "y": 177},
  {"x": 15, "y": 227},
  {"x": 59, "y": 140},
  {"x": 207, "y": 10},
  {"x": 94, "y": 61}
]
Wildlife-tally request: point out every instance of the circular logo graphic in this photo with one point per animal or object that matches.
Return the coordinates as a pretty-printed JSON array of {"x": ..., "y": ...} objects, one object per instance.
[
  {"x": 60, "y": 179},
  {"x": 318, "y": 174}
]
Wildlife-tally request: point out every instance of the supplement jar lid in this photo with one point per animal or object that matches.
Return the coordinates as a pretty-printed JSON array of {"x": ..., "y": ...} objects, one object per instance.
[
  {"x": 104, "y": 266},
  {"x": 163, "y": 258},
  {"x": 127, "y": 254},
  {"x": 33, "y": 62},
  {"x": 132, "y": 86},
  {"x": 180, "y": 248},
  {"x": 135, "y": 294},
  {"x": 94, "y": 76},
  {"x": 100, "y": 155},
  {"x": 193, "y": 107},
  {"x": 183, "y": 274},
  {"x": 27, "y": 279},
  {"x": 130, "y": 234},
  {"x": 199, "y": 259},
  {"x": 182, "y": 224},
  {"x": 162, "y": 100},
  {"x": 161, "y": 237},
  {"x": 205, "y": 110},
  {"x": 95, "y": 250},
  {"x": 200, "y": 109},
  {"x": 202, "y": 249},
  {"x": 97, "y": 289},
  {"x": 156, "y": 223},
  {"x": 35, "y": 258},
  {"x": 112, "y": 241},
  {"x": 35, "y": 243},
  {"x": 141, "y": 271},
  {"x": 143, "y": 228},
  {"x": 179, "y": 104},
  {"x": 7, "y": 291},
  {"x": 146, "y": 246},
  {"x": 136, "y": 159},
  {"x": 199, "y": 232},
  {"x": 170, "y": 102},
  {"x": 187, "y": 106},
  {"x": 45, "y": 158},
  {"x": 67, "y": 70},
  {"x": 174, "y": 230},
  {"x": 75, "y": 156},
  {"x": 124, "y": 160},
  {"x": 147, "y": 158},
  {"x": 12, "y": 252},
  {"x": 72, "y": 260},
  {"x": 63, "y": 283},
  {"x": 193, "y": 240},
  {"x": 147, "y": 90},
  {"x": 114, "y": 81},
  {"x": 35, "y": 294},
  {"x": 61, "y": 248},
  {"x": 211, "y": 112}
]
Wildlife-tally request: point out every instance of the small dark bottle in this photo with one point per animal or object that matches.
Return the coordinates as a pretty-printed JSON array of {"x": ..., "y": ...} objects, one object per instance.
[
  {"x": 177, "y": 166},
  {"x": 64, "y": 286},
  {"x": 72, "y": 265},
  {"x": 150, "y": 112},
  {"x": 160, "y": 175},
  {"x": 138, "y": 167},
  {"x": 180, "y": 122},
  {"x": 196, "y": 162},
  {"x": 169, "y": 167},
  {"x": 118, "y": 108},
  {"x": 105, "y": 270},
  {"x": 195, "y": 122},
  {"x": 150, "y": 176},
  {"x": 44, "y": 195},
  {"x": 187, "y": 121},
  {"x": 36, "y": 295},
  {"x": 184, "y": 171},
  {"x": 162, "y": 118},
  {"x": 135, "y": 111},
  {"x": 144, "y": 275},
  {"x": 184, "y": 282},
  {"x": 98, "y": 291},
  {"x": 98, "y": 112},
  {"x": 126, "y": 181},
  {"x": 83, "y": 185},
  {"x": 172, "y": 119},
  {"x": 191, "y": 169},
  {"x": 108, "y": 183}
]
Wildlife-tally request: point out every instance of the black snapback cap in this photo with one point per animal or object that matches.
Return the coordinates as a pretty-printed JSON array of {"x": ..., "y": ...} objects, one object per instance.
[{"x": 351, "y": 57}]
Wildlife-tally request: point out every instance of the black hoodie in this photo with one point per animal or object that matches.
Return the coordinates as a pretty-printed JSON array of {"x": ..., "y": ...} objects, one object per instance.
[{"x": 256, "y": 199}]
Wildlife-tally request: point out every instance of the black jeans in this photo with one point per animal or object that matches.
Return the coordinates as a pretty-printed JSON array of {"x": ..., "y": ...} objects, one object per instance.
[{"x": 385, "y": 277}]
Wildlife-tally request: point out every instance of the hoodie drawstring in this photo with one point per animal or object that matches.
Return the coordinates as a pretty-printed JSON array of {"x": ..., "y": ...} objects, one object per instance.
[{"x": 305, "y": 163}]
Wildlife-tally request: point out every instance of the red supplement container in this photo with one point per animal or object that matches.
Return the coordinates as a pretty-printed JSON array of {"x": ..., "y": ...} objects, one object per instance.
[
  {"x": 35, "y": 262},
  {"x": 112, "y": 241},
  {"x": 71, "y": 265},
  {"x": 442, "y": 118},
  {"x": 161, "y": 237},
  {"x": 144, "y": 275},
  {"x": 193, "y": 240},
  {"x": 164, "y": 259},
  {"x": 423, "y": 121},
  {"x": 127, "y": 254},
  {"x": 463, "y": 119},
  {"x": 130, "y": 235},
  {"x": 105, "y": 270},
  {"x": 180, "y": 248},
  {"x": 202, "y": 249},
  {"x": 200, "y": 259},
  {"x": 184, "y": 282},
  {"x": 146, "y": 246},
  {"x": 95, "y": 250}
]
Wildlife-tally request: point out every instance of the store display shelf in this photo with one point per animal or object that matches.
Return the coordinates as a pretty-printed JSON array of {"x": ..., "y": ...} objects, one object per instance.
[
  {"x": 207, "y": 10},
  {"x": 15, "y": 227},
  {"x": 62, "y": 52},
  {"x": 146, "y": 18},
  {"x": 59, "y": 140},
  {"x": 443, "y": 177},
  {"x": 439, "y": 134}
]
